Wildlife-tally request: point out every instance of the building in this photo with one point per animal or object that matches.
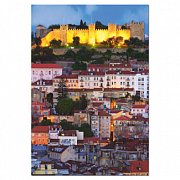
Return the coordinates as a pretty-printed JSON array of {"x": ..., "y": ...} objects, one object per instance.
[
  {"x": 40, "y": 135},
  {"x": 41, "y": 31},
  {"x": 91, "y": 35},
  {"x": 140, "y": 109},
  {"x": 62, "y": 153},
  {"x": 100, "y": 124},
  {"x": 46, "y": 168},
  {"x": 43, "y": 85},
  {"x": 45, "y": 71},
  {"x": 137, "y": 168}
]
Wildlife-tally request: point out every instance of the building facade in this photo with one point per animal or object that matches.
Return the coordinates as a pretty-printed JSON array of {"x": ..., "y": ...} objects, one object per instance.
[{"x": 45, "y": 71}]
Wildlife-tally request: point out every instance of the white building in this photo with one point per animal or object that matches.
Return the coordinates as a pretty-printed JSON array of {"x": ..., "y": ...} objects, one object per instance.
[
  {"x": 91, "y": 80},
  {"x": 142, "y": 85},
  {"x": 45, "y": 71},
  {"x": 139, "y": 109}
]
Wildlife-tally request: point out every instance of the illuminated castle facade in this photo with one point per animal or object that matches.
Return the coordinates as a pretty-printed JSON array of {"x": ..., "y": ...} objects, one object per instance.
[{"x": 92, "y": 35}]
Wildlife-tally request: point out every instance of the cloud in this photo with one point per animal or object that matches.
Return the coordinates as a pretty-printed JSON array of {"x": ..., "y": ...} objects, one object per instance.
[
  {"x": 138, "y": 15},
  {"x": 47, "y": 15},
  {"x": 90, "y": 9}
]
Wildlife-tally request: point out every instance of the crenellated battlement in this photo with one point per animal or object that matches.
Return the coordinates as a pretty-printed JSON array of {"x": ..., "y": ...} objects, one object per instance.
[
  {"x": 101, "y": 29},
  {"x": 93, "y": 35}
]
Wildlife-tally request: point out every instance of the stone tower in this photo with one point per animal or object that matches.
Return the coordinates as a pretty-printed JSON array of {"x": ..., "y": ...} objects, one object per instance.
[
  {"x": 137, "y": 30},
  {"x": 112, "y": 30},
  {"x": 91, "y": 28},
  {"x": 63, "y": 34}
]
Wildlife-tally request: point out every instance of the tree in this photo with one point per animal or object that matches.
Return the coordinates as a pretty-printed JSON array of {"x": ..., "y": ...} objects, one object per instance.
[
  {"x": 70, "y": 54},
  {"x": 79, "y": 66},
  {"x": 32, "y": 36},
  {"x": 81, "y": 23},
  {"x": 66, "y": 125},
  {"x": 37, "y": 41},
  {"x": 76, "y": 40},
  {"x": 85, "y": 127},
  {"x": 50, "y": 98},
  {"x": 136, "y": 98},
  {"x": 99, "y": 25},
  {"x": 119, "y": 40},
  {"x": 55, "y": 43},
  {"x": 65, "y": 106},
  {"x": 123, "y": 27},
  {"x": 54, "y": 26},
  {"x": 62, "y": 90},
  {"x": 46, "y": 122}
]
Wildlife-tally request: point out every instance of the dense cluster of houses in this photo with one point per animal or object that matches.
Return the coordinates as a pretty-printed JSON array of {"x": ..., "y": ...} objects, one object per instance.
[{"x": 120, "y": 126}]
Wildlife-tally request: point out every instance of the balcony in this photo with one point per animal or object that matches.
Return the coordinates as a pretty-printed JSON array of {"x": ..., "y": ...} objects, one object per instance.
[
  {"x": 108, "y": 84},
  {"x": 81, "y": 80},
  {"x": 101, "y": 80},
  {"x": 81, "y": 85},
  {"x": 108, "y": 79}
]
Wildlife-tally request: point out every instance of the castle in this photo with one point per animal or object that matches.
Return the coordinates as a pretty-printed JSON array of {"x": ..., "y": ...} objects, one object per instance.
[{"x": 91, "y": 35}]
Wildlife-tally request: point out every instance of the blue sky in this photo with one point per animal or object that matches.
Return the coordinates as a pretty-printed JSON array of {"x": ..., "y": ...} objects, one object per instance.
[{"x": 72, "y": 14}]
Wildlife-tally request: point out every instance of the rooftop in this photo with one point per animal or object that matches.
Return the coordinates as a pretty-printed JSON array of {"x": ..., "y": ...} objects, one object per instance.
[{"x": 45, "y": 66}]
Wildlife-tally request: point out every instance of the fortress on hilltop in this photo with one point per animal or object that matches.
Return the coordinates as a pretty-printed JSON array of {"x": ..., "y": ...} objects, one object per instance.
[{"x": 91, "y": 35}]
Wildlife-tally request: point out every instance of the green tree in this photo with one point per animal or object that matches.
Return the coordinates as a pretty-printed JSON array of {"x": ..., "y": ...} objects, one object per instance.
[
  {"x": 85, "y": 127},
  {"x": 123, "y": 27},
  {"x": 54, "y": 26},
  {"x": 65, "y": 106},
  {"x": 50, "y": 98},
  {"x": 79, "y": 66},
  {"x": 32, "y": 36},
  {"x": 66, "y": 125},
  {"x": 37, "y": 41},
  {"x": 55, "y": 43},
  {"x": 46, "y": 122},
  {"x": 70, "y": 54},
  {"x": 136, "y": 98},
  {"x": 76, "y": 41},
  {"x": 62, "y": 90}
]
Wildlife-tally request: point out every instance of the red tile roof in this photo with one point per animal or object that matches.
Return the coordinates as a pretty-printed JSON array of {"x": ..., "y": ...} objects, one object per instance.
[
  {"x": 139, "y": 166},
  {"x": 45, "y": 66},
  {"x": 68, "y": 133},
  {"x": 139, "y": 106},
  {"x": 70, "y": 76},
  {"x": 103, "y": 113},
  {"x": 122, "y": 118},
  {"x": 91, "y": 139},
  {"x": 128, "y": 72},
  {"x": 40, "y": 129}
]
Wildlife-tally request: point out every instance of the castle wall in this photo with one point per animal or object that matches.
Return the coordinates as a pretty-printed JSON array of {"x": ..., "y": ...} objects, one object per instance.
[
  {"x": 91, "y": 38},
  {"x": 81, "y": 33},
  {"x": 125, "y": 33},
  {"x": 101, "y": 35},
  {"x": 111, "y": 30},
  {"x": 55, "y": 34}
]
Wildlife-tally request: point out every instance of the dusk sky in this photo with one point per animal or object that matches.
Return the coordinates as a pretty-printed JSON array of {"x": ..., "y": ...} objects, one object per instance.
[{"x": 72, "y": 14}]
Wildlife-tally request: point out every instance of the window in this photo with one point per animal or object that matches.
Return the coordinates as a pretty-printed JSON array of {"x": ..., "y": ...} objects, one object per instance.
[
  {"x": 120, "y": 83},
  {"x": 33, "y": 72},
  {"x": 49, "y": 72},
  {"x": 132, "y": 83}
]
